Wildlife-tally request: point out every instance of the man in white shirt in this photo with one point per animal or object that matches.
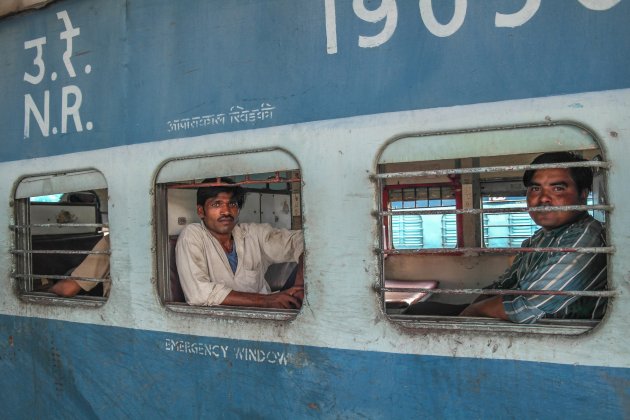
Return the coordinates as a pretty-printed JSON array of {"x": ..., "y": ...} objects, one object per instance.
[{"x": 221, "y": 262}]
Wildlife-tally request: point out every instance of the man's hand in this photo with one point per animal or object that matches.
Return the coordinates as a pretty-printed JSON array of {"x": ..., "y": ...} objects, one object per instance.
[{"x": 286, "y": 299}]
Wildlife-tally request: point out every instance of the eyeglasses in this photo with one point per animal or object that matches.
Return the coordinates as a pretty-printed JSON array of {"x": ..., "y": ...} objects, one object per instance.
[{"x": 218, "y": 204}]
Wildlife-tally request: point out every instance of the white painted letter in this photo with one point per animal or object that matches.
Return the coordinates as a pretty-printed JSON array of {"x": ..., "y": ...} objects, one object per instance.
[
  {"x": 388, "y": 11},
  {"x": 30, "y": 107},
  {"x": 519, "y": 18},
  {"x": 435, "y": 27},
  {"x": 71, "y": 110},
  {"x": 38, "y": 61},
  {"x": 331, "y": 26},
  {"x": 599, "y": 5},
  {"x": 68, "y": 34}
]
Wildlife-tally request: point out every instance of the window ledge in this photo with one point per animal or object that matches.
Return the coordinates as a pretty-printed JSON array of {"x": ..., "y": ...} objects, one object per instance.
[
  {"x": 234, "y": 312},
  {"x": 50, "y": 299},
  {"x": 546, "y": 326}
]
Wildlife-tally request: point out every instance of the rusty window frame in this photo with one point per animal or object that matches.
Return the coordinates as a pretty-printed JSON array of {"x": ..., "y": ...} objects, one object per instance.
[
  {"x": 545, "y": 326},
  {"x": 22, "y": 245},
  {"x": 162, "y": 252}
]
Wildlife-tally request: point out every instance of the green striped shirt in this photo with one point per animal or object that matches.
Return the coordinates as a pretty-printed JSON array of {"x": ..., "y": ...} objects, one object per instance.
[{"x": 557, "y": 271}]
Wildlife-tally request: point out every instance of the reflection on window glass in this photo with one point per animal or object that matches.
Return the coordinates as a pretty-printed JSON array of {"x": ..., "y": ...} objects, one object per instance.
[{"x": 52, "y": 198}]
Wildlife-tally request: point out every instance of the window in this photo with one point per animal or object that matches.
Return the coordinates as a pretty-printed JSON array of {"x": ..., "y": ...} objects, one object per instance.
[
  {"x": 61, "y": 235},
  {"x": 414, "y": 231},
  {"x": 482, "y": 218},
  {"x": 501, "y": 230},
  {"x": 271, "y": 179}
]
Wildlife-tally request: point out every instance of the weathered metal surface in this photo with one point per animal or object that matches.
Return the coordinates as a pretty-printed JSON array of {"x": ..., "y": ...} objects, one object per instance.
[
  {"x": 605, "y": 293},
  {"x": 491, "y": 169},
  {"x": 477, "y": 250},
  {"x": 162, "y": 72},
  {"x": 544, "y": 209},
  {"x": 57, "y": 277}
]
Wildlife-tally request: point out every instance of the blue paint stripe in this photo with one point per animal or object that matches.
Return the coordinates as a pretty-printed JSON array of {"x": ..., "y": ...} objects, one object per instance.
[
  {"x": 156, "y": 61},
  {"x": 79, "y": 370}
]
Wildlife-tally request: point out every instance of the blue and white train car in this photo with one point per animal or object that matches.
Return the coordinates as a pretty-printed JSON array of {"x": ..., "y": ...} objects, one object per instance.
[{"x": 328, "y": 111}]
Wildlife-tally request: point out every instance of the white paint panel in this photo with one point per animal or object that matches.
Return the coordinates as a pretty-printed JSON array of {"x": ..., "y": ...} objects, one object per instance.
[
  {"x": 62, "y": 213},
  {"x": 226, "y": 165},
  {"x": 60, "y": 183},
  {"x": 182, "y": 209},
  {"x": 342, "y": 310},
  {"x": 275, "y": 210},
  {"x": 487, "y": 143}
]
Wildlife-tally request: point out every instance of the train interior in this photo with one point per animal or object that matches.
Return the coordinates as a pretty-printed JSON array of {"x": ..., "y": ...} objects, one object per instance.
[
  {"x": 58, "y": 223},
  {"x": 272, "y": 197}
]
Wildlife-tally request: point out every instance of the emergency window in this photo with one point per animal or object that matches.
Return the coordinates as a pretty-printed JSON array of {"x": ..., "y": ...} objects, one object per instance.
[
  {"x": 61, "y": 236},
  {"x": 272, "y": 182},
  {"x": 485, "y": 219}
]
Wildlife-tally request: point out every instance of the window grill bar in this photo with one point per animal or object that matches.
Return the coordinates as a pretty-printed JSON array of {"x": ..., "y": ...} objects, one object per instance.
[
  {"x": 95, "y": 225},
  {"x": 489, "y": 237},
  {"x": 57, "y": 277},
  {"x": 582, "y": 207},
  {"x": 589, "y": 293},
  {"x": 57, "y": 251},
  {"x": 490, "y": 169},
  {"x": 580, "y": 250}
]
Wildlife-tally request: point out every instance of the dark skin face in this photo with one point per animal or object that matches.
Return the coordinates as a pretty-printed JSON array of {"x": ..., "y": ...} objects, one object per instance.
[
  {"x": 219, "y": 214},
  {"x": 554, "y": 187}
]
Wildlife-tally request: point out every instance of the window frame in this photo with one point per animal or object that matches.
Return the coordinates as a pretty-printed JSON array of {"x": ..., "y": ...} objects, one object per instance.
[
  {"x": 161, "y": 229},
  {"x": 543, "y": 326},
  {"x": 66, "y": 182},
  {"x": 388, "y": 220}
]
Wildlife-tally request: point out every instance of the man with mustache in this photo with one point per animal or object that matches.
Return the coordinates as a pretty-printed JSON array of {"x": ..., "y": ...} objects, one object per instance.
[
  {"x": 553, "y": 270},
  {"x": 221, "y": 262}
]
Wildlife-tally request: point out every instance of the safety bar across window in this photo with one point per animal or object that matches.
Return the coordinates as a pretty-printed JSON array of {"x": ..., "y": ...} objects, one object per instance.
[
  {"x": 381, "y": 177},
  {"x": 28, "y": 252}
]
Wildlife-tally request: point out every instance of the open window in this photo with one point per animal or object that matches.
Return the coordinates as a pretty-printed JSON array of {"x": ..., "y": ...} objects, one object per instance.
[
  {"x": 437, "y": 259},
  {"x": 271, "y": 180},
  {"x": 61, "y": 236}
]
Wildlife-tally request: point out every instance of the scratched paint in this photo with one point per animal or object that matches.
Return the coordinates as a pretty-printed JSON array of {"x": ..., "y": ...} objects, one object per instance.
[{"x": 336, "y": 110}]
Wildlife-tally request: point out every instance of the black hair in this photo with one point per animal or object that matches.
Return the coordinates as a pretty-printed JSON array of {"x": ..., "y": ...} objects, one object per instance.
[
  {"x": 204, "y": 193},
  {"x": 582, "y": 176}
]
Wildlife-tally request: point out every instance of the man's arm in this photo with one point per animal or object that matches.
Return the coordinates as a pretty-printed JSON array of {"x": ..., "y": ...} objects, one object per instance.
[
  {"x": 66, "y": 288},
  {"x": 278, "y": 245},
  {"x": 557, "y": 271},
  {"x": 286, "y": 299},
  {"x": 290, "y": 298},
  {"x": 491, "y": 308},
  {"x": 94, "y": 266}
]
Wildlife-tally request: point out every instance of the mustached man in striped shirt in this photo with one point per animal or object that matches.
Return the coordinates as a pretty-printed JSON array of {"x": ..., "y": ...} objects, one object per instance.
[{"x": 568, "y": 271}]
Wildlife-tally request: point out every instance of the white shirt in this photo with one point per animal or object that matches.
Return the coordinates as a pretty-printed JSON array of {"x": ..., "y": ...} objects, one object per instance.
[{"x": 204, "y": 271}]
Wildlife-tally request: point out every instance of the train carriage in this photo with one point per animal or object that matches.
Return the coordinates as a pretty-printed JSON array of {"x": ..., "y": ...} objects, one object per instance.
[{"x": 393, "y": 133}]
